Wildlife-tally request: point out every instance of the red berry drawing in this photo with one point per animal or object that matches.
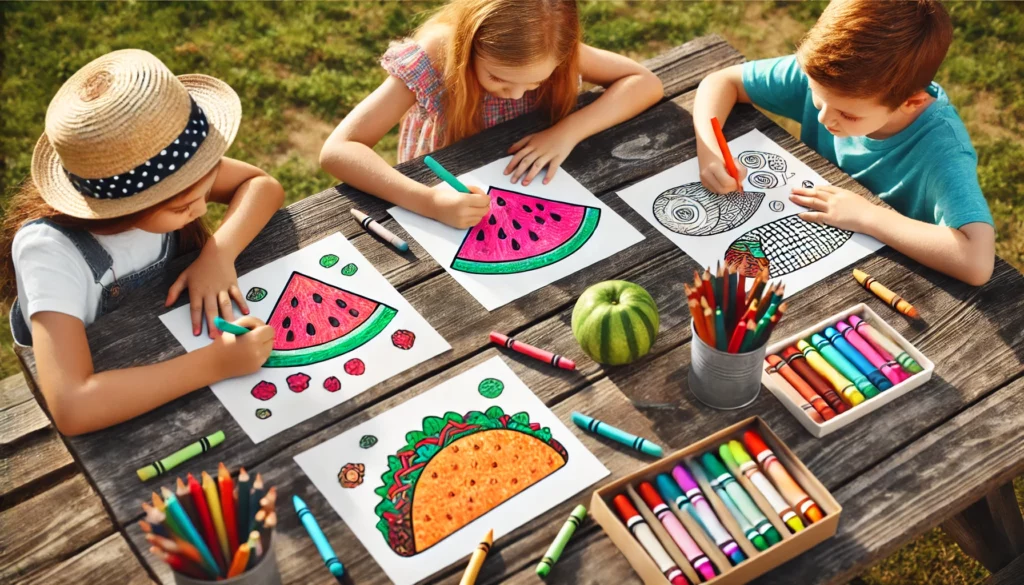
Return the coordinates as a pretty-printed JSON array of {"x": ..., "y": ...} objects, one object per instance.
[
  {"x": 403, "y": 339},
  {"x": 264, "y": 391},
  {"x": 298, "y": 382},
  {"x": 355, "y": 367},
  {"x": 332, "y": 384}
]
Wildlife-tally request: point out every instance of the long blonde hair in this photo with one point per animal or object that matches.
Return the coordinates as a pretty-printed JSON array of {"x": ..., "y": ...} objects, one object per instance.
[{"x": 512, "y": 32}]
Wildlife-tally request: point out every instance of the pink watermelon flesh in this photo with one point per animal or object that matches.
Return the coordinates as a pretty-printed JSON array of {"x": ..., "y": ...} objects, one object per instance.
[
  {"x": 314, "y": 321},
  {"x": 523, "y": 232}
]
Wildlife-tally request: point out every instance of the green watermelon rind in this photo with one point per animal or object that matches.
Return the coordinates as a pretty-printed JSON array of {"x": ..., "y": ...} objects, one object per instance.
[
  {"x": 378, "y": 321},
  {"x": 587, "y": 228}
]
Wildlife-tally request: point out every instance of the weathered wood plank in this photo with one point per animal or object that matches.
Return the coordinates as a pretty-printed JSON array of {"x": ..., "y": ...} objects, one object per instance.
[
  {"x": 991, "y": 529},
  {"x": 21, "y": 420},
  {"x": 50, "y": 528},
  {"x": 108, "y": 561},
  {"x": 37, "y": 457},
  {"x": 13, "y": 391},
  {"x": 1012, "y": 574}
]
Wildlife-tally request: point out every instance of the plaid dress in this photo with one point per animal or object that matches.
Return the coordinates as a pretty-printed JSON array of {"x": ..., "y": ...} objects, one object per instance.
[{"x": 421, "y": 130}]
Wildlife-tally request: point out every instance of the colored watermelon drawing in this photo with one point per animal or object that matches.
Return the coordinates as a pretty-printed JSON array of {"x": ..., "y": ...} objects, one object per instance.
[
  {"x": 256, "y": 294},
  {"x": 355, "y": 367},
  {"x": 403, "y": 339},
  {"x": 264, "y": 391},
  {"x": 524, "y": 232},
  {"x": 297, "y": 382},
  {"x": 263, "y": 413},
  {"x": 332, "y": 384},
  {"x": 314, "y": 321}
]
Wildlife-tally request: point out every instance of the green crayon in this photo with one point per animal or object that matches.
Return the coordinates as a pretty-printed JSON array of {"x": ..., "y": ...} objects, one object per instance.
[
  {"x": 839, "y": 362},
  {"x": 178, "y": 457},
  {"x": 745, "y": 503},
  {"x": 720, "y": 480},
  {"x": 444, "y": 175},
  {"x": 562, "y": 539}
]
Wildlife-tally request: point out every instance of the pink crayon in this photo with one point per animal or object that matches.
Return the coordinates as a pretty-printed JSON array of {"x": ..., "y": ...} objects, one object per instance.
[
  {"x": 677, "y": 531},
  {"x": 643, "y": 533},
  {"x": 706, "y": 516},
  {"x": 860, "y": 327},
  {"x": 890, "y": 370}
]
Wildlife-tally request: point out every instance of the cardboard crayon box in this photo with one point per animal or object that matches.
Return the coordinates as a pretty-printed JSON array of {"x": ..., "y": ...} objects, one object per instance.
[
  {"x": 868, "y": 406},
  {"x": 758, "y": 562}
]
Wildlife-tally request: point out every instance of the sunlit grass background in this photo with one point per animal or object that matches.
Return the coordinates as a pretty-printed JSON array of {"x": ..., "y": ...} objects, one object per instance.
[{"x": 300, "y": 67}]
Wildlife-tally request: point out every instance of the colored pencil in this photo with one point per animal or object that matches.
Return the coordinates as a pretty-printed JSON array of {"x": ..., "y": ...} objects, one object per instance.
[
  {"x": 156, "y": 521},
  {"x": 206, "y": 522},
  {"x": 697, "y": 316},
  {"x": 185, "y": 499},
  {"x": 240, "y": 561},
  {"x": 254, "y": 501},
  {"x": 179, "y": 564},
  {"x": 444, "y": 175},
  {"x": 607, "y": 431},
  {"x": 536, "y": 353},
  {"x": 750, "y": 341},
  {"x": 881, "y": 291},
  {"x": 190, "y": 534},
  {"x": 178, "y": 457},
  {"x": 721, "y": 337},
  {"x": 730, "y": 165},
  {"x": 476, "y": 561},
  {"x": 371, "y": 225},
  {"x": 737, "y": 337},
  {"x": 217, "y": 515},
  {"x": 709, "y": 291},
  {"x": 319, "y": 540},
  {"x": 242, "y": 489},
  {"x": 227, "y": 504},
  {"x": 741, "y": 295}
]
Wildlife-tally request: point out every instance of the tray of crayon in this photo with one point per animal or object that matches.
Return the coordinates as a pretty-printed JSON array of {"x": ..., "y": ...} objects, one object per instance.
[
  {"x": 724, "y": 510},
  {"x": 842, "y": 369}
]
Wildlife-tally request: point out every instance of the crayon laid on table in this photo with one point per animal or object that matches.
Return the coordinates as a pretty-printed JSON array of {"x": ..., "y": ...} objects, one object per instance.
[
  {"x": 369, "y": 224},
  {"x": 226, "y": 488},
  {"x": 776, "y": 472},
  {"x": 723, "y": 145},
  {"x": 743, "y": 500},
  {"x": 881, "y": 342},
  {"x": 708, "y": 519},
  {"x": 226, "y": 326},
  {"x": 206, "y": 523},
  {"x": 477, "y": 560},
  {"x": 643, "y": 533},
  {"x": 444, "y": 175},
  {"x": 554, "y": 551},
  {"x": 894, "y": 300},
  {"x": 696, "y": 557},
  {"x": 189, "y": 532},
  {"x": 317, "y": 535},
  {"x": 849, "y": 393},
  {"x": 178, "y": 457},
  {"x": 843, "y": 366},
  {"x": 795, "y": 360},
  {"x": 749, "y": 468},
  {"x": 858, "y": 360},
  {"x": 772, "y": 363},
  {"x": 893, "y": 372},
  {"x": 531, "y": 351},
  {"x": 618, "y": 435},
  {"x": 718, "y": 476},
  {"x": 216, "y": 515}
]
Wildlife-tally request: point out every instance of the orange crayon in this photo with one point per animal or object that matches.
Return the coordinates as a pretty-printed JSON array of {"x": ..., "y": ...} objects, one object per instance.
[
  {"x": 894, "y": 300},
  {"x": 787, "y": 486}
]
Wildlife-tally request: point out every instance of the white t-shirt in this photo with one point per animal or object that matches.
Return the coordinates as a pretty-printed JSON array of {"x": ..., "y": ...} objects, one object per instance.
[{"x": 52, "y": 274}]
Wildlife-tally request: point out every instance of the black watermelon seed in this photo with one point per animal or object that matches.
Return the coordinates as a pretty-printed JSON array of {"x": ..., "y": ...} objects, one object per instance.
[
  {"x": 527, "y": 209},
  {"x": 501, "y": 202},
  {"x": 287, "y": 323},
  {"x": 317, "y": 298},
  {"x": 334, "y": 322},
  {"x": 556, "y": 217},
  {"x": 515, "y": 244},
  {"x": 540, "y": 206},
  {"x": 538, "y": 219},
  {"x": 340, "y": 303},
  {"x": 516, "y": 224},
  {"x": 480, "y": 236},
  {"x": 491, "y": 220},
  {"x": 295, "y": 302},
  {"x": 533, "y": 235},
  {"x": 353, "y": 312},
  {"x": 501, "y": 233},
  {"x": 290, "y": 336},
  {"x": 310, "y": 329}
]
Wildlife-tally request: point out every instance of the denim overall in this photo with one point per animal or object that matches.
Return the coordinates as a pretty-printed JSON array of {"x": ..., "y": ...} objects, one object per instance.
[{"x": 99, "y": 262}]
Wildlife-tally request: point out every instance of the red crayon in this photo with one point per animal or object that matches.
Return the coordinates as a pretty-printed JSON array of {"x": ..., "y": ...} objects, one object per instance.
[
  {"x": 534, "y": 352},
  {"x": 642, "y": 532}
]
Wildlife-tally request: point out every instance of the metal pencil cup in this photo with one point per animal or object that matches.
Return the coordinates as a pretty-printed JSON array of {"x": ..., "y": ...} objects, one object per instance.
[
  {"x": 722, "y": 380},
  {"x": 264, "y": 573}
]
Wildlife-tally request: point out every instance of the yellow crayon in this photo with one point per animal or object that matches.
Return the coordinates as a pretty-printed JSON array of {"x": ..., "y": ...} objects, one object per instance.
[
  {"x": 477, "y": 560},
  {"x": 881, "y": 291},
  {"x": 850, "y": 394}
]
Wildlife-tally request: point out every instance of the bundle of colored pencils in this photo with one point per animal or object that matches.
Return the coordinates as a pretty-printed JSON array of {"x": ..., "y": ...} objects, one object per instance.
[
  {"x": 730, "y": 317},
  {"x": 211, "y": 530}
]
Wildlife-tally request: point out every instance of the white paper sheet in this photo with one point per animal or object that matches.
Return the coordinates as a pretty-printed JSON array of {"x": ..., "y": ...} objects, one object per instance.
[
  {"x": 381, "y": 356},
  {"x": 704, "y": 225},
  {"x": 612, "y": 234},
  {"x": 356, "y": 505}
]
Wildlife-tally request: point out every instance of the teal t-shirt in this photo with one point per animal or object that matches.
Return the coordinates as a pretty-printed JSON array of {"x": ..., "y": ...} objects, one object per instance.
[{"x": 928, "y": 171}]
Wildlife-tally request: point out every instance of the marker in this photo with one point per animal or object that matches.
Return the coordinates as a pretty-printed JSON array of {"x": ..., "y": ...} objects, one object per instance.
[
  {"x": 642, "y": 532},
  {"x": 719, "y": 478},
  {"x": 676, "y": 530},
  {"x": 534, "y": 352},
  {"x": 709, "y": 521},
  {"x": 618, "y": 435},
  {"x": 884, "y": 345},
  {"x": 178, "y": 457},
  {"x": 894, "y": 300},
  {"x": 562, "y": 539},
  {"x": 444, "y": 175},
  {"x": 477, "y": 560},
  {"x": 744, "y": 501},
  {"x": 730, "y": 166},
  {"x": 749, "y": 468},
  {"x": 322, "y": 546},
  {"x": 229, "y": 327},
  {"x": 369, "y": 224},
  {"x": 789, "y": 488}
]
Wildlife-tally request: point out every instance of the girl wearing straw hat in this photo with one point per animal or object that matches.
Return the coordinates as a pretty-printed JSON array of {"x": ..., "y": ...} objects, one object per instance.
[{"x": 121, "y": 178}]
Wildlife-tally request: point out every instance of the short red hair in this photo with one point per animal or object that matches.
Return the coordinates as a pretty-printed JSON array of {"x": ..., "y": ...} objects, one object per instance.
[{"x": 875, "y": 49}]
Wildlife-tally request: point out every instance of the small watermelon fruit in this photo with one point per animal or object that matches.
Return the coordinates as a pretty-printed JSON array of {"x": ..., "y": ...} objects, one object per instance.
[
  {"x": 298, "y": 382},
  {"x": 332, "y": 384},
  {"x": 263, "y": 413},
  {"x": 328, "y": 260},
  {"x": 403, "y": 339},
  {"x": 256, "y": 294},
  {"x": 314, "y": 321},
  {"x": 355, "y": 367},
  {"x": 524, "y": 232},
  {"x": 264, "y": 391},
  {"x": 615, "y": 322},
  {"x": 349, "y": 269}
]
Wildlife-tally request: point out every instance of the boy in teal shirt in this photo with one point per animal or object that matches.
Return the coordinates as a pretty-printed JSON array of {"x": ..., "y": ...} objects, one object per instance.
[{"x": 861, "y": 87}]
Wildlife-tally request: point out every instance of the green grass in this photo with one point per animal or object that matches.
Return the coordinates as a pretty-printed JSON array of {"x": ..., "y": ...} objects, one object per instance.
[{"x": 300, "y": 67}]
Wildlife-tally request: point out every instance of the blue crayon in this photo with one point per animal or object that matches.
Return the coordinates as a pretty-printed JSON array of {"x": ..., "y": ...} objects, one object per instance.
[
  {"x": 618, "y": 435},
  {"x": 322, "y": 546},
  {"x": 843, "y": 365},
  {"x": 859, "y": 361}
]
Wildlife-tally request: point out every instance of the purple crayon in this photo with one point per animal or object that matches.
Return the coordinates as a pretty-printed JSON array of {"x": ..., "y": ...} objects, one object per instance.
[{"x": 706, "y": 516}]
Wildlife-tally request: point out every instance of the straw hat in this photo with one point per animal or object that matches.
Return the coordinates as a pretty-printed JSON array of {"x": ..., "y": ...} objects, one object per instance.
[{"x": 123, "y": 134}]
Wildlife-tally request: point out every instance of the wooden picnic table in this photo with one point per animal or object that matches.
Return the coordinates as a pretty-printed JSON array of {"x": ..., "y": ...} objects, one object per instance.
[{"x": 948, "y": 447}]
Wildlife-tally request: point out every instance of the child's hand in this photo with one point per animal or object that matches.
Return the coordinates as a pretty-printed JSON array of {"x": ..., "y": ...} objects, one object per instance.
[
  {"x": 714, "y": 176},
  {"x": 238, "y": 355},
  {"x": 533, "y": 152},
  {"x": 457, "y": 209},
  {"x": 835, "y": 206},
  {"x": 212, "y": 284}
]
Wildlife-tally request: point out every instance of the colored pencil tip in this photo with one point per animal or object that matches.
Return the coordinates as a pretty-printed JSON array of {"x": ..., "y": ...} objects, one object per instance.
[
  {"x": 180, "y": 484},
  {"x": 166, "y": 493},
  {"x": 222, "y": 469}
]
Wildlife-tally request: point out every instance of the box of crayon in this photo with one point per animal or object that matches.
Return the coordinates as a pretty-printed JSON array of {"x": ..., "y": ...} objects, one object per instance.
[
  {"x": 842, "y": 369},
  {"x": 724, "y": 510}
]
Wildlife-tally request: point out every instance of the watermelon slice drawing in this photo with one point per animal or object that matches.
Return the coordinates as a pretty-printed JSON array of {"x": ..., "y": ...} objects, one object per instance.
[
  {"x": 314, "y": 321},
  {"x": 524, "y": 232}
]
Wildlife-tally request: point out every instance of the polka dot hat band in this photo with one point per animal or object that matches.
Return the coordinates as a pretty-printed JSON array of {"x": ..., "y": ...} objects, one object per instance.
[{"x": 124, "y": 134}]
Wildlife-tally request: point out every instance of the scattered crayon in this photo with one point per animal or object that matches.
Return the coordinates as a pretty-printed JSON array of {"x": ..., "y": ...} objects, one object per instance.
[
  {"x": 317, "y": 535},
  {"x": 843, "y": 366},
  {"x": 881, "y": 291},
  {"x": 708, "y": 519},
  {"x": 618, "y": 435},
  {"x": 643, "y": 533},
  {"x": 796, "y": 361},
  {"x": 841, "y": 383},
  {"x": 696, "y": 557},
  {"x": 787, "y": 486},
  {"x": 744, "y": 501},
  {"x": 477, "y": 560},
  {"x": 443, "y": 174},
  {"x": 371, "y": 225},
  {"x": 797, "y": 389},
  {"x": 885, "y": 345},
  {"x": 858, "y": 360},
  {"x": 554, "y": 551},
  {"x": 531, "y": 351},
  {"x": 893, "y": 372},
  {"x": 775, "y": 500},
  {"x": 177, "y": 458},
  {"x": 718, "y": 476}
]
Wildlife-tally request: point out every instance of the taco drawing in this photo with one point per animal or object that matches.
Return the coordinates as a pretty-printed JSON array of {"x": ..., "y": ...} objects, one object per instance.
[{"x": 457, "y": 469}]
